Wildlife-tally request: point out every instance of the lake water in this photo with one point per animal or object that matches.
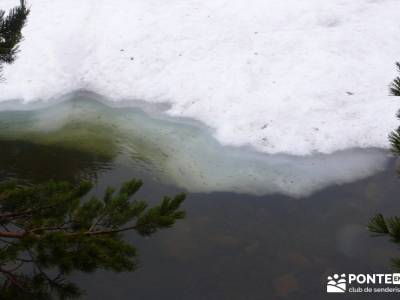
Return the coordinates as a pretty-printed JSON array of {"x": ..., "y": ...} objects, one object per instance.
[{"x": 255, "y": 243}]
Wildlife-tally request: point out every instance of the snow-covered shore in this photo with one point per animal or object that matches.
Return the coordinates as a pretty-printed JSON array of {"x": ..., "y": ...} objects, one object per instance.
[{"x": 284, "y": 76}]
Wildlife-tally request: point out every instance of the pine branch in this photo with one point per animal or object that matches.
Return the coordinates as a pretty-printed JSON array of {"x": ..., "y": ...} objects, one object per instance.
[
  {"x": 10, "y": 31},
  {"x": 390, "y": 227},
  {"x": 12, "y": 234},
  {"x": 394, "y": 139},
  {"x": 161, "y": 216},
  {"x": 378, "y": 225},
  {"x": 64, "y": 231},
  {"x": 12, "y": 278},
  {"x": 395, "y": 86}
]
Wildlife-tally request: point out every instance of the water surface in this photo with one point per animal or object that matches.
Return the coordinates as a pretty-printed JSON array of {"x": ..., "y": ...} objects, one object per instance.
[
  {"x": 231, "y": 245},
  {"x": 179, "y": 152}
]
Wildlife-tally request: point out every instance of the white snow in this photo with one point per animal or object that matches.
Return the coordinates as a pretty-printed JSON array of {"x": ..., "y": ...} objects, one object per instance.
[{"x": 284, "y": 76}]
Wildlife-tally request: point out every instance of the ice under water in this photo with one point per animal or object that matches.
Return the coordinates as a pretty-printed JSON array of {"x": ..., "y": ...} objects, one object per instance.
[
  {"x": 230, "y": 246},
  {"x": 179, "y": 151}
]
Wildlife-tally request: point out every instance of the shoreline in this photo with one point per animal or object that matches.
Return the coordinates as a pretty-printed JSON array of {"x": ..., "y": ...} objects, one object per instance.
[{"x": 183, "y": 152}]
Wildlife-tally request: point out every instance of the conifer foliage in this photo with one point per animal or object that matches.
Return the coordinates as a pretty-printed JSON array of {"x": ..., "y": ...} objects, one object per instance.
[
  {"x": 395, "y": 86},
  {"x": 11, "y": 25},
  {"x": 380, "y": 225},
  {"x": 390, "y": 227},
  {"x": 53, "y": 229},
  {"x": 394, "y": 137}
]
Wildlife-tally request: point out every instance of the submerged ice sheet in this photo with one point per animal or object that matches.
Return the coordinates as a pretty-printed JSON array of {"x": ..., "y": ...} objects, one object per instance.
[
  {"x": 182, "y": 152},
  {"x": 284, "y": 76}
]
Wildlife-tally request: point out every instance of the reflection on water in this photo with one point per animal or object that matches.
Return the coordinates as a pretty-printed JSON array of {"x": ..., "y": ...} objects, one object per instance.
[
  {"x": 23, "y": 160},
  {"x": 180, "y": 152},
  {"x": 232, "y": 246}
]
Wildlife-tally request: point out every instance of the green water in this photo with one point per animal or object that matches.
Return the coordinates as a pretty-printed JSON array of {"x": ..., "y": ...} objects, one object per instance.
[
  {"x": 180, "y": 152},
  {"x": 258, "y": 226}
]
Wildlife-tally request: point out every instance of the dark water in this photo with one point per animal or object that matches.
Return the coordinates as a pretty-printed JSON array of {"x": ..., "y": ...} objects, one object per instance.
[{"x": 231, "y": 246}]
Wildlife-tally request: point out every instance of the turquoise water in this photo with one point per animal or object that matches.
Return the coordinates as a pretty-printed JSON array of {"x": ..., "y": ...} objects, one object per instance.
[
  {"x": 179, "y": 152},
  {"x": 241, "y": 238}
]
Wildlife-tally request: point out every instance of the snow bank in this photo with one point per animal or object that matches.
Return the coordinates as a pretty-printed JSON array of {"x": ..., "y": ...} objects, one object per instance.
[{"x": 284, "y": 76}]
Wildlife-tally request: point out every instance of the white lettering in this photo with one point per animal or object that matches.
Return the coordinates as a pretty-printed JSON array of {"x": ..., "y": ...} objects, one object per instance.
[
  {"x": 361, "y": 278},
  {"x": 352, "y": 277},
  {"x": 388, "y": 278},
  {"x": 396, "y": 278}
]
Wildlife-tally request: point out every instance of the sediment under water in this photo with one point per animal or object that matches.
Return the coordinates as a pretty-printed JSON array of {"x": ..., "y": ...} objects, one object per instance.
[
  {"x": 180, "y": 152},
  {"x": 230, "y": 245}
]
